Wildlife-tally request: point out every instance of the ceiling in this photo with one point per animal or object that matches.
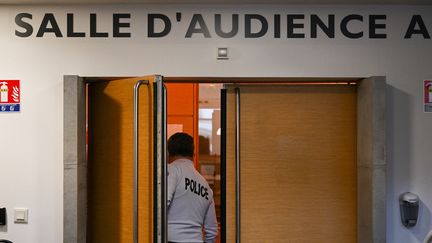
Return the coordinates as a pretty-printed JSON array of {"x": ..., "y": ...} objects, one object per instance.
[{"x": 57, "y": 2}]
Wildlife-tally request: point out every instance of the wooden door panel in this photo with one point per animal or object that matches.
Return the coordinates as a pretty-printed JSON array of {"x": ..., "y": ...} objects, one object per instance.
[
  {"x": 298, "y": 164},
  {"x": 111, "y": 161}
]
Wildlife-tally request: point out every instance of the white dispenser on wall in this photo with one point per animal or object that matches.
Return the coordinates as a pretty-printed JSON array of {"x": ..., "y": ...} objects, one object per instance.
[{"x": 4, "y": 92}]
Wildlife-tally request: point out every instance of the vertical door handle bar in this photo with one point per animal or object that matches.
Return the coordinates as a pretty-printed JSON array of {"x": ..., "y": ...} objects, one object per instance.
[
  {"x": 136, "y": 146},
  {"x": 161, "y": 167},
  {"x": 164, "y": 167},
  {"x": 238, "y": 215}
]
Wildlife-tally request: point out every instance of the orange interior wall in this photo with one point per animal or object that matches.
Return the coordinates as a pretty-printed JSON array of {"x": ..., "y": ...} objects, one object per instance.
[{"x": 182, "y": 108}]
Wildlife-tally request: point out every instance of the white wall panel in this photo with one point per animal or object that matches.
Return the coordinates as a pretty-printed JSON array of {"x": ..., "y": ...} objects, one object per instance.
[{"x": 31, "y": 156}]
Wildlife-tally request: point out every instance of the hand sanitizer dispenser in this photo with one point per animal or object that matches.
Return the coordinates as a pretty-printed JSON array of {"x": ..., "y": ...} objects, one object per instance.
[
  {"x": 409, "y": 207},
  {"x": 2, "y": 216}
]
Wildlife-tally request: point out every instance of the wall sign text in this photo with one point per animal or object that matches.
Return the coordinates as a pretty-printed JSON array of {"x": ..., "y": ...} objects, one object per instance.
[{"x": 250, "y": 26}]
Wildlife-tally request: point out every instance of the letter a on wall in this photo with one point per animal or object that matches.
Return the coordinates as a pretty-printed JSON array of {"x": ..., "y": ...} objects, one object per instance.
[
  {"x": 427, "y": 90},
  {"x": 10, "y": 95}
]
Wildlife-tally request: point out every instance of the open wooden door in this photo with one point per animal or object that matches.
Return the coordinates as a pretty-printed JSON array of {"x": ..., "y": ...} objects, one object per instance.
[
  {"x": 126, "y": 160},
  {"x": 290, "y": 162}
]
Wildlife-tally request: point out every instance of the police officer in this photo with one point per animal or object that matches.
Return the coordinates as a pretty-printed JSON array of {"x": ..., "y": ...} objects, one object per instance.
[{"x": 190, "y": 199}]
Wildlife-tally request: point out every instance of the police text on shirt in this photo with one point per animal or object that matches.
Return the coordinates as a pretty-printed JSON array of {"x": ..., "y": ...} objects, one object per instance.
[{"x": 197, "y": 189}]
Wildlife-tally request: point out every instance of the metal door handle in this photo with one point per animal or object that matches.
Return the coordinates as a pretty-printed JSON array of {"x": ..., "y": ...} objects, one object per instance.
[
  {"x": 238, "y": 198},
  {"x": 136, "y": 137}
]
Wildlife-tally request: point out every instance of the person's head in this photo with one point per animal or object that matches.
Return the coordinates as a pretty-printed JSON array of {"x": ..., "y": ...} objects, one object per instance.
[{"x": 180, "y": 145}]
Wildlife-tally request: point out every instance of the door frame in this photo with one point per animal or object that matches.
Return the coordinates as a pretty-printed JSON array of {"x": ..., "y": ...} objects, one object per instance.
[{"x": 371, "y": 149}]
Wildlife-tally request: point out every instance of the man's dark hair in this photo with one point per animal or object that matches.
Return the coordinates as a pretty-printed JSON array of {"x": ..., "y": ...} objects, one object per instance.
[{"x": 181, "y": 144}]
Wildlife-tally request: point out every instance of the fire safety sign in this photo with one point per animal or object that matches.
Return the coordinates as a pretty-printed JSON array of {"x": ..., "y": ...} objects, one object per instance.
[
  {"x": 10, "y": 95},
  {"x": 427, "y": 90}
]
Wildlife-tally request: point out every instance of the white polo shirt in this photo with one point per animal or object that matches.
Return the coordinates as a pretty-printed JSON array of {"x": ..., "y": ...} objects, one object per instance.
[{"x": 190, "y": 204}]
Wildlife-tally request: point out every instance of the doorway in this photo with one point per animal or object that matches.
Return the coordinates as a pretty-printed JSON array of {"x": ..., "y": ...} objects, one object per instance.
[{"x": 368, "y": 101}]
